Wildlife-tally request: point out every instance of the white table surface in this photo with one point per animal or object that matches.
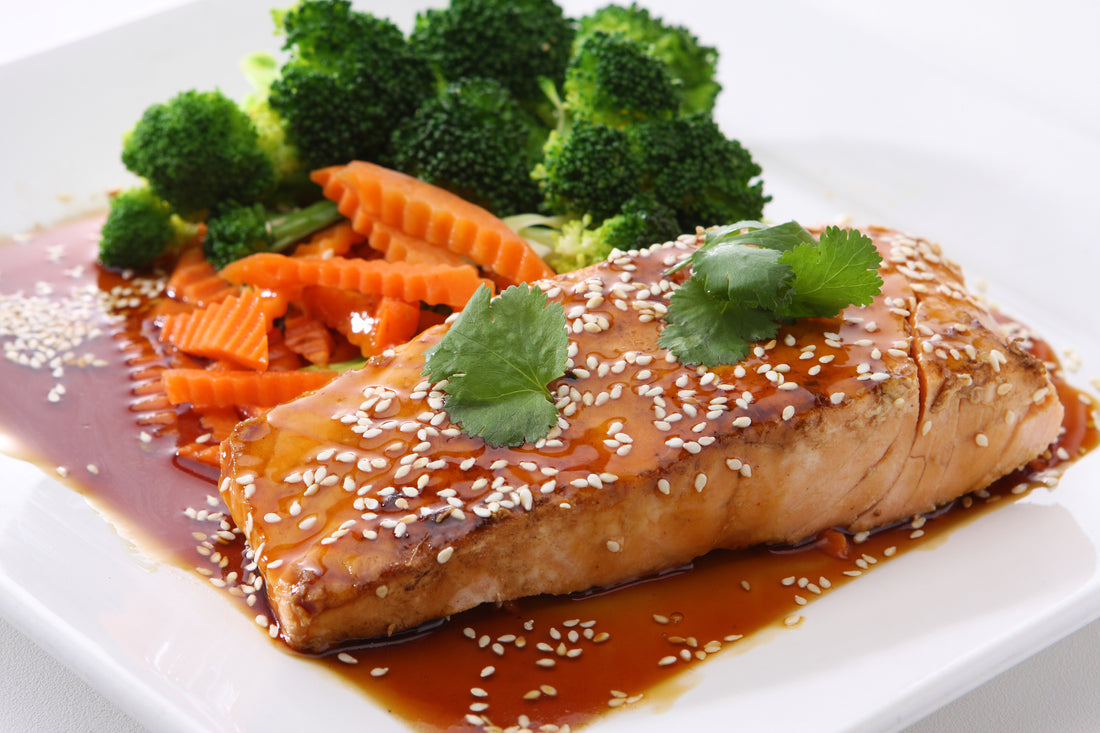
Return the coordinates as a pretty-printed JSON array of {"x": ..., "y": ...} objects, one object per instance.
[{"x": 1052, "y": 691}]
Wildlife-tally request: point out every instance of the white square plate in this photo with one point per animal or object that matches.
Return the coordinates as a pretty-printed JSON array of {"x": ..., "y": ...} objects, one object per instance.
[{"x": 976, "y": 127}]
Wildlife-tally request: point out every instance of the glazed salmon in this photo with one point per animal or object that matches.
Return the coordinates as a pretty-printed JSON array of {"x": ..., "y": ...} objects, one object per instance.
[{"x": 370, "y": 513}]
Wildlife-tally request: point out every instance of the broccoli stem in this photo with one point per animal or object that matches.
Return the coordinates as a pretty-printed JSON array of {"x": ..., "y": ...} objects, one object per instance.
[{"x": 287, "y": 229}]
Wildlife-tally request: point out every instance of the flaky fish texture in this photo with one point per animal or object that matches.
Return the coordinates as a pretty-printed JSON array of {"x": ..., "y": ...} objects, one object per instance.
[{"x": 370, "y": 513}]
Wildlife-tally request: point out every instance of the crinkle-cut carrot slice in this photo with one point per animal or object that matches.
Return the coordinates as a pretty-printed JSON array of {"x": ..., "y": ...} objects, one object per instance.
[
  {"x": 367, "y": 194},
  {"x": 218, "y": 422},
  {"x": 308, "y": 337},
  {"x": 395, "y": 322},
  {"x": 206, "y": 388},
  {"x": 372, "y": 324},
  {"x": 195, "y": 281},
  {"x": 435, "y": 284},
  {"x": 281, "y": 357},
  {"x": 208, "y": 290},
  {"x": 397, "y": 246},
  {"x": 166, "y": 306},
  {"x": 208, "y": 454},
  {"x": 151, "y": 404},
  {"x": 274, "y": 305},
  {"x": 348, "y": 312},
  {"x": 234, "y": 329},
  {"x": 334, "y": 241}
]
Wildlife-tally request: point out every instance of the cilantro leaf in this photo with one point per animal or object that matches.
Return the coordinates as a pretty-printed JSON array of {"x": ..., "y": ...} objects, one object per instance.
[
  {"x": 841, "y": 270},
  {"x": 731, "y": 327},
  {"x": 497, "y": 358},
  {"x": 747, "y": 278},
  {"x": 781, "y": 237},
  {"x": 749, "y": 275}
]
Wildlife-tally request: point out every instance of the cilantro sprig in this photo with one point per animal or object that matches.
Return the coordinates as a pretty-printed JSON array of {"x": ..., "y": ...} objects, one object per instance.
[
  {"x": 498, "y": 358},
  {"x": 749, "y": 278}
]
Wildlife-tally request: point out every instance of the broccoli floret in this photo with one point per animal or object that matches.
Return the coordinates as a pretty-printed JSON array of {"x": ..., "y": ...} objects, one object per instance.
[
  {"x": 140, "y": 229},
  {"x": 350, "y": 80},
  {"x": 590, "y": 170},
  {"x": 474, "y": 140},
  {"x": 238, "y": 231},
  {"x": 516, "y": 42},
  {"x": 692, "y": 167},
  {"x": 262, "y": 69},
  {"x": 641, "y": 222},
  {"x": 692, "y": 63},
  {"x": 326, "y": 30},
  {"x": 197, "y": 150},
  {"x": 612, "y": 80}
]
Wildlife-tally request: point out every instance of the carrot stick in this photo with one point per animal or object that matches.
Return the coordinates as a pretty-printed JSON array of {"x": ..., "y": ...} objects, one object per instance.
[
  {"x": 367, "y": 194},
  {"x": 208, "y": 454},
  {"x": 309, "y": 337},
  {"x": 274, "y": 305},
  {"x": 218, "y": 421},
  {"x": 436, "y": 284},
  {"x": 334, "y": 241},
  {"x": 348, "y": 312},
  {"x": 234, "y": 329},
  {"x": 281, "y": 357},
  {"x": 372, "y": 324},
  {"x": 205, "y": 388},
  {"x": 395, "y": 322},
  {"x": 194, "y": 280}
]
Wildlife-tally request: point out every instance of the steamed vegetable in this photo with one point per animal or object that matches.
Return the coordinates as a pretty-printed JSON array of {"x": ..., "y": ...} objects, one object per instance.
[
  {"x": 613, "y": 80},
  {"x": 598, "y": 126},
  {"x": 474, "y": 140},
  {"x": 369, "y": 193},
  {"x": 350, "y": 80},
  {"x": 198, "y": 150},
  {"x": 140, "y": 229},
  {"x": 239, "y": 231},
  {"x": 515, "y": 42},
  {"x": 691, "y": 63}
]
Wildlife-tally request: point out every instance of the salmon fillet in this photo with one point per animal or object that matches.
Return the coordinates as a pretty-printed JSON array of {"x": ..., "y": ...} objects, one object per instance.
[{"x": 370, "y": 513}]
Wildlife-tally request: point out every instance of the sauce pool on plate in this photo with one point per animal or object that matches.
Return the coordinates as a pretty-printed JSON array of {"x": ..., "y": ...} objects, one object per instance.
[{"x": 83, "y": 362}]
